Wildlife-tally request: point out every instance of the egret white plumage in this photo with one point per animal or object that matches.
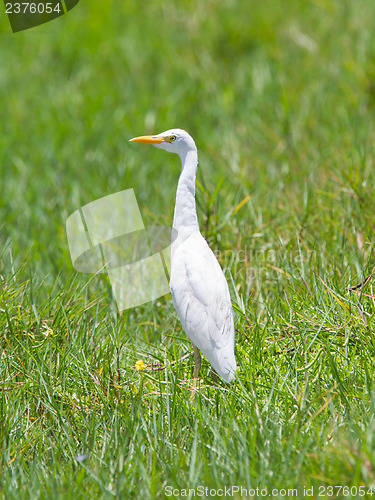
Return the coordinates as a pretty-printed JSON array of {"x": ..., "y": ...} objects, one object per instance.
[{"x": 199, "y": 289}]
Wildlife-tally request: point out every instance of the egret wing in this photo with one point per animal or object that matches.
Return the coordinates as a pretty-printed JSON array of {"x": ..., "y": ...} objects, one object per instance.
[{"x": 201, "y": 296}]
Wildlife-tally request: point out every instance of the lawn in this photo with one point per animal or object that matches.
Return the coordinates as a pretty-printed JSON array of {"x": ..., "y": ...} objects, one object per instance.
[{"x": 280, "y": 98}]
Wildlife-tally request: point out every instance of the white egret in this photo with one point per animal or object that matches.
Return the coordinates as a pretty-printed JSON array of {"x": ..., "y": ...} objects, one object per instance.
[{"x": 199, "y": 289}]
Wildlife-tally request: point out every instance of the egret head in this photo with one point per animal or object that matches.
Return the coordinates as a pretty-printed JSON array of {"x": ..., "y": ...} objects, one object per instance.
[{"x": 174, "y": 140}]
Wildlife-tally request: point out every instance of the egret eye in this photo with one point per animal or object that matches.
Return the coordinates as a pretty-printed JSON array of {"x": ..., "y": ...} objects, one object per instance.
[{"x": 172, "y": 138}]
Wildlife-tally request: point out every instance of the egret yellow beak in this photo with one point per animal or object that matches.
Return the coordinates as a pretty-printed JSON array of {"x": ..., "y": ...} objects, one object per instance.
[{"x": 149, "y": 139}]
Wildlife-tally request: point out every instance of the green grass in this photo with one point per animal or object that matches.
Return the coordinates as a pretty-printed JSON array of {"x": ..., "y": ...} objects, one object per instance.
[{"x": 280, "y": 99}]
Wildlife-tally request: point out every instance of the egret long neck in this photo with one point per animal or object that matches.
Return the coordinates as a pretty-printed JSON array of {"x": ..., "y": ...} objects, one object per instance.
[{"x": 185, "y": 213}]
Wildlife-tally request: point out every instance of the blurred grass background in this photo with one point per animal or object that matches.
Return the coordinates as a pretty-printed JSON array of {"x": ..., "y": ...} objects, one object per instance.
[{"x": 280, "y": 100}]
